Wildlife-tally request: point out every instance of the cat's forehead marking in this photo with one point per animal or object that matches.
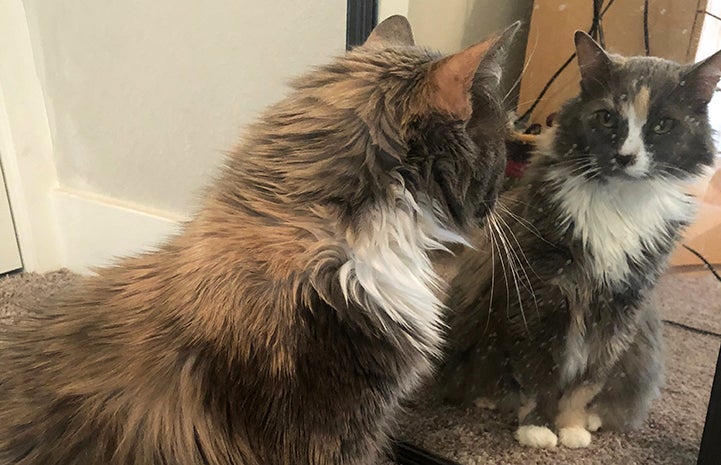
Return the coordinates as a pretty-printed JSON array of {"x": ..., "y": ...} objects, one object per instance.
[
  {"x": 640, "y": 103},
  {"x": 636, "y": 114}
]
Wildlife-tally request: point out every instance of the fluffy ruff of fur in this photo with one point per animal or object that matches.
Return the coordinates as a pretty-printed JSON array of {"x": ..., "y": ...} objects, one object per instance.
[
  {"x": 270, "y": 331},
  {"x": 554, "y": 342}
]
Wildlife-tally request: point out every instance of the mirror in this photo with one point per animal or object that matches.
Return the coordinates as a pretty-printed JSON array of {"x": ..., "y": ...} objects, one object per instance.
[{"x": 542, "y": 74}]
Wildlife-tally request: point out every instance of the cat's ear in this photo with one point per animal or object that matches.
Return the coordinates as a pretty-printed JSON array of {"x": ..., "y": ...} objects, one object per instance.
[
  {"x": 699, "y": 83},
  {"x": 593, "y": 62},
  {"x": 490, "y": 71},
  {"x": 394, "y": 30},
  {"x": 452, "y": 77}
]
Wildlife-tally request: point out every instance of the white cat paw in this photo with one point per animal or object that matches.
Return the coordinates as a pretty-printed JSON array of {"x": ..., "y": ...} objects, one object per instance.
[
  {"x": 484, "y": 403},
  {"x": 593, "y": 422},
  {"x": 574, "y": 438},
  {"x": 536, "y": 436}
]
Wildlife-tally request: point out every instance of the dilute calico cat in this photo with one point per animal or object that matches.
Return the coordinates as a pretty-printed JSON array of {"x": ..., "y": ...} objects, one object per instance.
[
  {"x": 560, "y": 316},
  {"x": 299, "y": 306}
]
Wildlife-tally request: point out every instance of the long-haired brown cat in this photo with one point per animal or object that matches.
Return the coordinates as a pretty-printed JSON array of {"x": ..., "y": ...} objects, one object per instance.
[{"x": 300, "y": 306}]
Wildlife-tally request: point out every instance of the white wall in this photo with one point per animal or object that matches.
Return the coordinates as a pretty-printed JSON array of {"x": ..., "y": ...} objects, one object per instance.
[
  {"x": 143, "y": 97},
  {"x": 388, "y": 8}
]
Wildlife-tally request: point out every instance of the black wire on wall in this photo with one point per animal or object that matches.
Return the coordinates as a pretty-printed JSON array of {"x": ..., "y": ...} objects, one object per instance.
[
  {"x": 595, "y": 31},
  {"x": 646, "y": 45}
]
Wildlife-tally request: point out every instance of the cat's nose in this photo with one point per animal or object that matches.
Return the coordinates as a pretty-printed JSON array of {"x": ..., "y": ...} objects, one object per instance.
[{"x": 625, "y": 160}]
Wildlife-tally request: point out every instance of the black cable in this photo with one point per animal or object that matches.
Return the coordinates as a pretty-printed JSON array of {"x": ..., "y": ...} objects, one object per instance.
[
  {"x": 404, "y": 453},
  {"x": 711, "y": 268},
  {"x": 646, "y": 45},
  {"x": 603, "y": 12},
  {"x": 545, "y": 88},
  {"x": 591, "y": 32},
  {"x": 710, "y": 14},
  {"x": 596, "y": 24},
  {"x": 706, "y": 263},
  {"x": 693, "y": 329}
]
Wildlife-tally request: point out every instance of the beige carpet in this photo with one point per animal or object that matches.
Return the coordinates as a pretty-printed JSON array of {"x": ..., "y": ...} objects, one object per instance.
[
  {"x": 692, "y": 298},
  {"x": 473, "y": 436}
]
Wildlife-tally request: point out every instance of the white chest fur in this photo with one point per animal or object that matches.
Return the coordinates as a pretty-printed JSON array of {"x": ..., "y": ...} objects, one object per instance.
[
  {"x": 619, "y": 220},
  {"x": 389, "y": 269}
]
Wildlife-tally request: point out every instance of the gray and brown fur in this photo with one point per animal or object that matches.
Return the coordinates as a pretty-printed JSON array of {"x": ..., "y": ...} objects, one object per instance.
[
  {"x": 234, "y": 342},
  {"x": 567, "y": 337}
]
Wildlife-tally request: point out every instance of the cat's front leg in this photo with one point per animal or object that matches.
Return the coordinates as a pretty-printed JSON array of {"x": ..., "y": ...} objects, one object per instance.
[
  {"x": 569, "y": 415},
  {"x": 633, "y": 382},
  {"x": 573, "y": 420},
  {"x": 533, "y": 423}
]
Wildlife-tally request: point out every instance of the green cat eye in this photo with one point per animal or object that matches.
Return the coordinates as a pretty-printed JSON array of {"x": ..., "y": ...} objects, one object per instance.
[
  {"x": 605, "y": 118},
  {"x": 663, "y": 126}
]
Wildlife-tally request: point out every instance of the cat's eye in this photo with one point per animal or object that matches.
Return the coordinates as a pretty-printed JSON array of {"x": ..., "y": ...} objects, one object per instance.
[
  {"x": 605, "y": 118},
  {"x": 664, "y": 125}
]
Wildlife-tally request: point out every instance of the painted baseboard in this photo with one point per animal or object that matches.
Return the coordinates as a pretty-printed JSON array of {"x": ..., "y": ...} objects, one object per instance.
[{"x": 96, "y": 230}]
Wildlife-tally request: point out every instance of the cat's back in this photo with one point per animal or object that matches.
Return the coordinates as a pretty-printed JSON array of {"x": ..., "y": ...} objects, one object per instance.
[{"x": 86, "y": 373}]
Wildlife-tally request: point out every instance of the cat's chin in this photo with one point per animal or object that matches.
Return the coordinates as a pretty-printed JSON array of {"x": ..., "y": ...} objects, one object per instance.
[
  {"x": 462, "y": 218},
  {"x": 452, "y": 205},
  {"x": 464, "y": 210},
  {"x": 624, "y": 176}
]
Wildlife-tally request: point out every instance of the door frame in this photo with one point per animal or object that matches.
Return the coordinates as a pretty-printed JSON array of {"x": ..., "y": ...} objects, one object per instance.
[
  {"x": 361, "y": 18},
  {"x": 26, "y": 149}
]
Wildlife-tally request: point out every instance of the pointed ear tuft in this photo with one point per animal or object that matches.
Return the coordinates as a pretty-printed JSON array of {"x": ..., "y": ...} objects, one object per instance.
[
  {"x": 593, "y": 62},
  {"x": 452, "y": 76},
  {"x": 493, "y": 65},
  {"x": 699, "y": 83},
  {"x": 503, "y": 41},
  {"x": 394, "y": 30}
]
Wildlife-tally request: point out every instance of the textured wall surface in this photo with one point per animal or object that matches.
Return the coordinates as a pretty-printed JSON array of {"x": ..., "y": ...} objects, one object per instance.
[{"x": 144, "y": 96}]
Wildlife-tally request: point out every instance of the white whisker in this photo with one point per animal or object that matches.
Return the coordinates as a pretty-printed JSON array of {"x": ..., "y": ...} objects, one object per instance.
[
  {"x": 489, "y": 231},
  {"x": 530, "y": 227},
  {"x": 512, "y": 266},
  {"x": 525, "y": 66},
  {"x": 529, "y": 286},
  {"x": 496, "y": 242}
]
